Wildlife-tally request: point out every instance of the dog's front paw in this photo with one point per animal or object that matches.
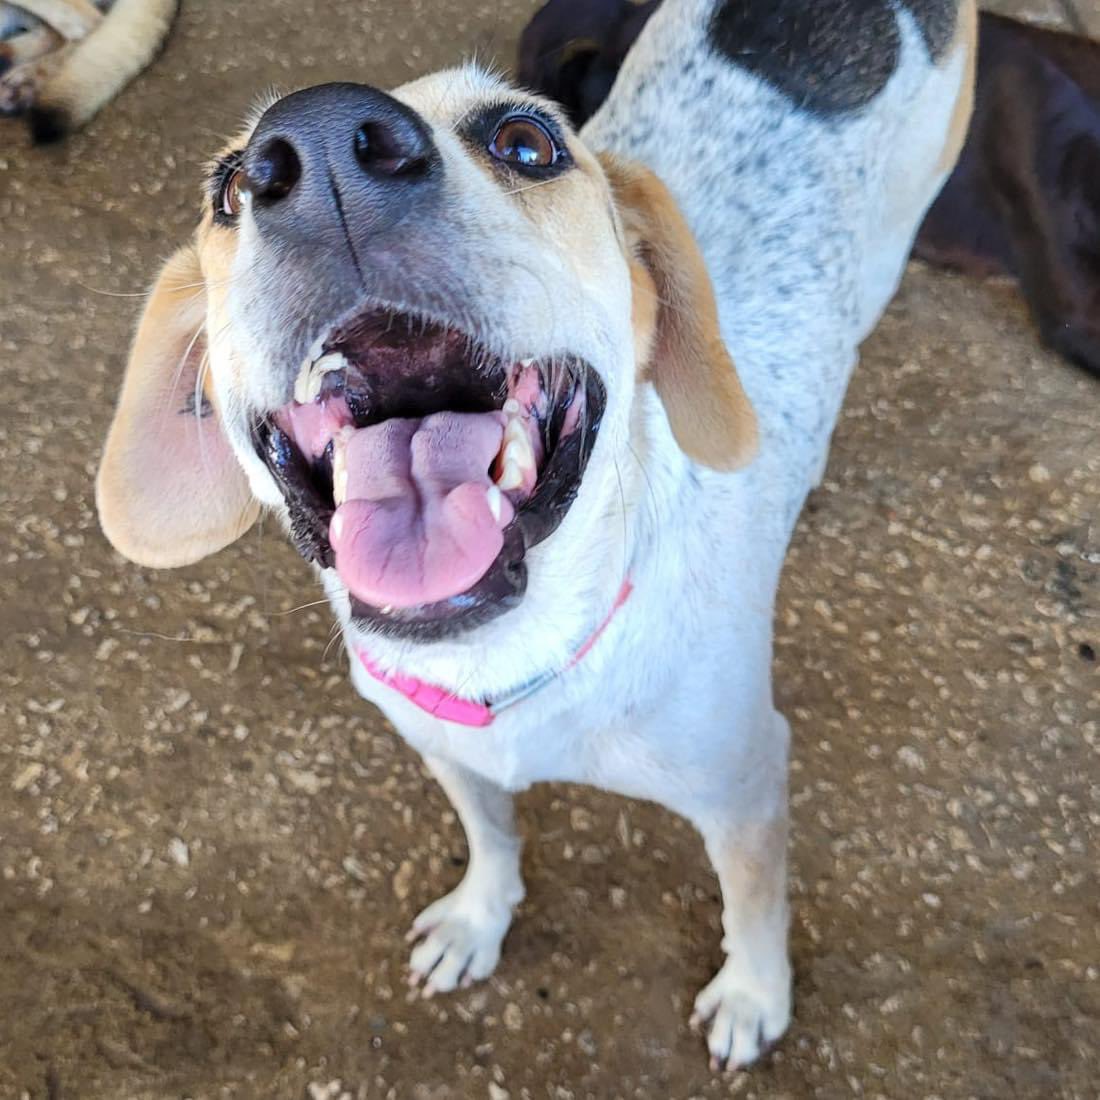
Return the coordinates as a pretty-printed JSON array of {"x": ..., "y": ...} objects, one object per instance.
[
  {"x": 460, "y": 940},
  {"x": 19, "y": 88},
  {"x": 744, "y": 1014}
]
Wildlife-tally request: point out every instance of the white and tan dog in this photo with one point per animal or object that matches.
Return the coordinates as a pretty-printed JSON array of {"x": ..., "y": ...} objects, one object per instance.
[{"x": 484, "y": 369}]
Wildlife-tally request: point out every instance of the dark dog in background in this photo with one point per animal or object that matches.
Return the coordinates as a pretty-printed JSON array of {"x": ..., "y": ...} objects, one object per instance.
[{"x": 1025, "y": 198}]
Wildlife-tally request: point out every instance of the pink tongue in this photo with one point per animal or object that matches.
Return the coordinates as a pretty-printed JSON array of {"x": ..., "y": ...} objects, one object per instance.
[{"x": 416, "y": 526}]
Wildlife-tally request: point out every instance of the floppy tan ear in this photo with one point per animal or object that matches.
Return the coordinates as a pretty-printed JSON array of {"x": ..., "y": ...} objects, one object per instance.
[
  {"x": 170, "y": 490},
  {"x": 676, "y": 324}
]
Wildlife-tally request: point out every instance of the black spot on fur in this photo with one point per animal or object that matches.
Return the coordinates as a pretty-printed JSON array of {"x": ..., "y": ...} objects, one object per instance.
[
  {"x": 829, "y": 56},
  {"x": 48, "y": 124}
]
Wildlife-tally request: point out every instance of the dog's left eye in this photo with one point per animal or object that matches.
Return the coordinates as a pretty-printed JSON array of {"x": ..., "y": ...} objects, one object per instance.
[
  {"x": 524, "y": 143},
  {"x": 229, "y": 201}
]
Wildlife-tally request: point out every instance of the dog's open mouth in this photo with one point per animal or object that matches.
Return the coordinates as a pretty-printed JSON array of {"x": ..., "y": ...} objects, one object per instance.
[{"x": 422, "y": 468}]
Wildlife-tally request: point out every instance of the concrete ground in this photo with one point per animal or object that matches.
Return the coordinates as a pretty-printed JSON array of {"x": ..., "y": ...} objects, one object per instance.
[{"x": 209, "y": 850}]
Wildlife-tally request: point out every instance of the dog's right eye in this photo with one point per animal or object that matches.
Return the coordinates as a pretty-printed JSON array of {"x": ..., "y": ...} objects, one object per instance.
[
  {"x": 229, "y": 200},
  {"x": 524, "y": 142}
]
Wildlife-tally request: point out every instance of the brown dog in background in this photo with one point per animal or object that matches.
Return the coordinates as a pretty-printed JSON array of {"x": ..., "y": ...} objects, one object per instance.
[{"x": 1025, "y": 198}]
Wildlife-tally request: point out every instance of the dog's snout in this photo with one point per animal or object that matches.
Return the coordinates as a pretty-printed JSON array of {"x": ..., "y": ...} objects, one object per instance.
[{"x": 344, "y": 157}]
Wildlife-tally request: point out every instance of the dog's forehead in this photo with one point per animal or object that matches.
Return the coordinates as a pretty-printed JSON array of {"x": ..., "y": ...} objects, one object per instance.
[{"x": 443, "y": 98}]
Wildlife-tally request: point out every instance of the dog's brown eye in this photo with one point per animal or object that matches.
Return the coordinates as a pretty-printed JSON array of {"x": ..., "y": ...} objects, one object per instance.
[
  {"x": 524, "y": 142},
  {"x": 231, "y": 194}
]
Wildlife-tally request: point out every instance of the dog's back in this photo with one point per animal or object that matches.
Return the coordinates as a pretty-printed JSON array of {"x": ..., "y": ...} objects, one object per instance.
[{"x": 838, "y": 123}]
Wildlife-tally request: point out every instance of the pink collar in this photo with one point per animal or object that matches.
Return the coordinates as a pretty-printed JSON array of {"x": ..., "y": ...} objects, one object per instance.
[{"x": 443, "y": 704}]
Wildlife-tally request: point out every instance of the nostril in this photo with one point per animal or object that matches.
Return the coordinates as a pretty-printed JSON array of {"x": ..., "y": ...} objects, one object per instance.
[
  {"x": 391, "y": 150},
  {"x": 274, "y": 171}
]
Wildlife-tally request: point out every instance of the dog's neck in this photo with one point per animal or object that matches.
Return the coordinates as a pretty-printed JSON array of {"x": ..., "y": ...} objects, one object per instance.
[{"x": 448, "y": 706}]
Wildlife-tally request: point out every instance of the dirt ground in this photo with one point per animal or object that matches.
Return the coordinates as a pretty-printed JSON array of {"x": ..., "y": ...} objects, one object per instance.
[{"x": 210, "y": 850}]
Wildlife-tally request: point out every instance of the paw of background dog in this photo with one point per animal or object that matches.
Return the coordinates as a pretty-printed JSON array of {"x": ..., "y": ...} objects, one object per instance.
[
  {"x": 30, "y": 54},
  {"x": 743, "y": 1015},
  {"x": 19, "y": 86},
  {"x": 21, "y": 96}
]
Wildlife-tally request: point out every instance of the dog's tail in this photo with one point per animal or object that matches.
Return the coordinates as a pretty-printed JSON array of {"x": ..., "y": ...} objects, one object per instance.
[{"x": 99, "y": 66}]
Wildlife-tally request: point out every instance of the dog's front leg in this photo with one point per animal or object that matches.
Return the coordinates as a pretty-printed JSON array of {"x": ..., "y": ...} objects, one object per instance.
[
  {"x": 460, "y": 935},
  {"x": 747, "y": 1005}
]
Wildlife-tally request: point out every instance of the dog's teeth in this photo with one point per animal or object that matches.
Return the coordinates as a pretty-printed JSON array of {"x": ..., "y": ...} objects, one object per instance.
[
  {"x": 511, "y": 476},
  {"x": 525, "y": 363},
  {"x": 307, "y": 386},
  {"x": 512, "y": 407},
  {"x": 340, "y": 464},
  {"x": 518, "y": 450},
  {"x": 496, "y": 501},
  {"x": 339, "y": 486},
  {"x": 337, "y": 525}
]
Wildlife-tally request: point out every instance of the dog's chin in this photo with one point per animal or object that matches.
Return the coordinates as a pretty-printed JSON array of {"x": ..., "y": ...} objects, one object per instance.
[{"x": 422, "y": 467}]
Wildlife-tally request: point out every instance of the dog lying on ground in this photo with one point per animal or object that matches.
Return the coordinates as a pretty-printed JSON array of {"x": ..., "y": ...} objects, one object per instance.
[
  {"x": 1025, "y": 198},
  {"x": 62, "y": 60},
  {"x": 483, "y": 368}
]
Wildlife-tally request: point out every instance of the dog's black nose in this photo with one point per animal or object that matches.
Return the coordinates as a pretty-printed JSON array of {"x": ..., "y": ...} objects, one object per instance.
[{"x": 343, "y": 159}]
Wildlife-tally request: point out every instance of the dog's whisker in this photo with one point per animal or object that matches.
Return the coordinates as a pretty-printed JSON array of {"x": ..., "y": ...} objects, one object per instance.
[
  {"x": 529, "y": 187},
  {"x": 303, "y": 607}
]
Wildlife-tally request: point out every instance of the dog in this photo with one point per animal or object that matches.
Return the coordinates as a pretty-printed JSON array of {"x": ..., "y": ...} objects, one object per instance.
[
  {"x": 61, "y": 61},
  {"x": 1024, "y": 201},
  {"x": 482, "y": 366}
]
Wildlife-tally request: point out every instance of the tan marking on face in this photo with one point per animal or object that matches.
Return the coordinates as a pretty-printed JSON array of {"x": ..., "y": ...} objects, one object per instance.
[{"x": 966, "y": 38}]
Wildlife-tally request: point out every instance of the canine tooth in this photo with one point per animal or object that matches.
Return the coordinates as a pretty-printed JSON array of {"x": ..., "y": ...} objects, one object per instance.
[
  {"x": 496, "y": 501},
  {"x": 340, "y": 464},
  {"x": 337, "y": 525},
  {"x": 514, "y": 432},
  {"x": 339, "y": 485},
  {"x": 511, "y": 476},
  {"x": 512, "y": 407},
  {"x": 525, "y": 363},
  {"x": 519, "y": 451}
]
